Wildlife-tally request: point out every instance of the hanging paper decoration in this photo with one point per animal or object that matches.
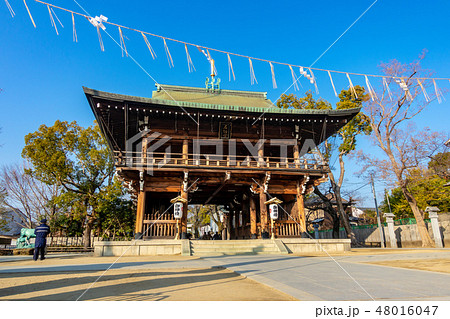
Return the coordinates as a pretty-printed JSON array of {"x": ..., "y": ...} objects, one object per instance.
[
  {"x": 252, "y": 72},
  {"x": 29, "y": 13},
  {"x": 122, "y": 43},
  {"x": 230, "y": 69},
  {"x": 294, "y": 79},
  {"x": 425, "y": 94},
  {"x": 352, "y": 88},
  {"x": 169, "y": 56},
  {"x": 372, "y": 93},
  {"x": 98, "y": 21},
  {"x": 386, "y": 87},
  {"x": 100, "y": 39},
  {"x": 404, "y": 87},
  {"x": 438, "y": 92},
  {"x": 189, "y": 60},
  {"x": 57, "y": 17},
  {"x": 11, "y": 11},
  {"x": 274, "y": 81},
  {"x": 332, "y": 84},
  {"x": 210, "y": 60},
  {"x": 149, "y": 46},
  {"x": 312, "y": 80},
  {"x": 52, "y": 20},
  {"x": 75, "y": 38}
]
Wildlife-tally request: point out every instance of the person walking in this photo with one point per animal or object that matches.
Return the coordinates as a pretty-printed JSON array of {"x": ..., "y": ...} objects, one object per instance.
[{"x": 41, "y": 233}]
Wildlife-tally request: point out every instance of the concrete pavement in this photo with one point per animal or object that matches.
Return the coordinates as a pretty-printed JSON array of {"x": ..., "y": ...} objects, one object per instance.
[{"x": 305, "y": 278}]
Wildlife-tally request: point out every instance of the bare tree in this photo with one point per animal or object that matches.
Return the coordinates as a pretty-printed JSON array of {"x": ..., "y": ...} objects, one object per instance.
[
  {"x": 402, "y": 97},
  {"x": 27, "y": 196}
]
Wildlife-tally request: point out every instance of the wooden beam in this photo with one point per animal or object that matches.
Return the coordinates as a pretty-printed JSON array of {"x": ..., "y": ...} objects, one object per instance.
[
  {"x": 252, "y": 216},
  {"x": 140, "y": 212},
  {"x": 301, "y": 206},
  {"x": 263, "y": 209},
  {"x": 227, "y": 178}
]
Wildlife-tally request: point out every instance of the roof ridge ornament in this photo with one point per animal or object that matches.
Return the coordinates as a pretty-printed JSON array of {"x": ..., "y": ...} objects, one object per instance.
[{"x": 213, "y": 86}]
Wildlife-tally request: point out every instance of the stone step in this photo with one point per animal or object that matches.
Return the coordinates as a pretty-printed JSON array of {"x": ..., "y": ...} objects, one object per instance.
[
  {"x": 233, "y": 246},
  {"x": 217, "y": 249},
  {"x": 235, "y": 253}
]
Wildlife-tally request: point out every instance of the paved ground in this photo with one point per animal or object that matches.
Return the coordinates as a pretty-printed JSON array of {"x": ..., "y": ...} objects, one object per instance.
[{"x": 351, "y": 276}]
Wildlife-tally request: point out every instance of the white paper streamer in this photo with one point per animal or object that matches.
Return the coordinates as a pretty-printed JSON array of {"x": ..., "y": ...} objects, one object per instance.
[
  {"x": 438, "y": 92},
  {"x": 372, "y": 93},
  {"x": 169, "y": 56},
  {"x": 52, "y": 20},
  {"x": 230, "y": 69},
  {"x": 388, "y": 90},
  {"x": 123, "y": 46},
  {"x": 425, "y": 94},
  {"x": 29, "y": 13},
  {"x": 274, "y": 81},
  {"x": 401, "y": 82},
  {"x": 189, "y": 60},
  {"x": 57, "y": 17},
  {"x": 75, "y": 38},
  {"x": 313, "y": 80},
  {"x": 100, "y": 38},
  {"x": 332, "y": 84},
  {"x": 149, "y": 46},
  {"x": 352, "y": 88},
  {"x": 252, "y": 72},
  {"x": 10, "y": 9},
  {"x": 294, "y": 79}
]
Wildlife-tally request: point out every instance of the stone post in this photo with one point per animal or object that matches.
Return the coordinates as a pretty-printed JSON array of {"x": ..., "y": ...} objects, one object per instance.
[
  {"x": 432, "y": 213},
  {"x": 316, "y": 230},
  {"x": 390, "y": 224}
]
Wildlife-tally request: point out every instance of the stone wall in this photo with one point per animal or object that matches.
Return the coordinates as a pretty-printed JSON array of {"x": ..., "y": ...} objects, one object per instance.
[{"x": 406, "y": 235}]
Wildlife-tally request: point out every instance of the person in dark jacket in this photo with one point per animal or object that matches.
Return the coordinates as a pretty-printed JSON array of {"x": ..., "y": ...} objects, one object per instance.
[{"x": 41, "y": 233}]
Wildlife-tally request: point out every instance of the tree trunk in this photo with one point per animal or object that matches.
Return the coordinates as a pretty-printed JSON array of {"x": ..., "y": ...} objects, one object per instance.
[
  {"x": 342, "y": 214},
  {"x": 87, "y": 232},
  {"x": 421, "y": 227},
  {"x": 331, "y": 211}
]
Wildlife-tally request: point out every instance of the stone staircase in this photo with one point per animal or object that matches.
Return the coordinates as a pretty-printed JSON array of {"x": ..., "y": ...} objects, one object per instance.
[{"x": 236, "y": 247}]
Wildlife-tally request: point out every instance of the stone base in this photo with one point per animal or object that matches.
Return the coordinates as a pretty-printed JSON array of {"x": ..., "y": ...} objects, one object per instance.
[
  {"x": 185, "y": 247},
  {"x": 152, "y": 247},
  {"x": 306, "y": 245}
]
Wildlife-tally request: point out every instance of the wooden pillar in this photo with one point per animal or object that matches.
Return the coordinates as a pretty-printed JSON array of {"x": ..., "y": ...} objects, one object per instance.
[
  {"x": 252, "y": 217},
  {"x": 301, "y": 208},
  {"x": 263, "y": 209},
  {"x": 296, "y": 155},
  {"x": 140, "y": 212},
  {"x": 185, "y": 151},
  {"x": 261, "y": 155},
  {"x": 183, "y": 221}
]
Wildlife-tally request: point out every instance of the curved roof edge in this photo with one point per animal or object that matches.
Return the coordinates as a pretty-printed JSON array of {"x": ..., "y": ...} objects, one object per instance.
[{"x": 273, "y": 110}]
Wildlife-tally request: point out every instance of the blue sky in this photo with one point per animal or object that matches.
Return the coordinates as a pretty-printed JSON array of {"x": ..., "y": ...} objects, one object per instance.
[{"x": 41, "y": 74}]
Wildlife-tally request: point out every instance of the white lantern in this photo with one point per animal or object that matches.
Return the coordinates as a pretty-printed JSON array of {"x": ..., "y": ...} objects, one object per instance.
[
  {"x": 273, "y": 209},
  {"x": 178, "y": 210}
]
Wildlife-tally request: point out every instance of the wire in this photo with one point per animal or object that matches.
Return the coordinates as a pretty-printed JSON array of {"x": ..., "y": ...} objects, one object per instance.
[{"x": 237, "y": 54}]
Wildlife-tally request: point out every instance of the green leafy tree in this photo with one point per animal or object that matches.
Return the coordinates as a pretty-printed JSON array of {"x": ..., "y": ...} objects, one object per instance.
[
  {"x": 428, "y": 190},
  {"x": 76, "y": 158},
  {"x": 116, "y": 212},
  {"x": 198, "y": 216},
  {"x": 345, "y": 144},
  {"x": 440, "y": 164}
]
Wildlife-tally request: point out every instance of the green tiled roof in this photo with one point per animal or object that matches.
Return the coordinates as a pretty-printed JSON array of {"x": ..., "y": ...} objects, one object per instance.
[{"x": 226, "y": 100}]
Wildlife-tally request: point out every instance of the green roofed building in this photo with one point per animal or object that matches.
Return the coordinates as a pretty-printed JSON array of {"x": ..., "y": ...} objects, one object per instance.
[{"x": 217, "y": 147}]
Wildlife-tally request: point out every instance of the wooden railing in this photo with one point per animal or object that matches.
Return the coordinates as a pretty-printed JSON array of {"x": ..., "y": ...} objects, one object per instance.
[
  {"x": 159, "y": 228},
  {"x": 287, "y": 228},
  {"x": 160, "y": 160}
]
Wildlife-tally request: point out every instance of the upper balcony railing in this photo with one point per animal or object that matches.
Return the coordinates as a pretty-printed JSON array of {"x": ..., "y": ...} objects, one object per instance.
[{"x": 178, "y": 160}]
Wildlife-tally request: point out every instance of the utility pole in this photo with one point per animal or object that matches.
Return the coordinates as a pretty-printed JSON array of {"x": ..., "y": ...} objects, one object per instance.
[
  {"x": 389, "y": 204},
  {"x": 378, "y": 216}
]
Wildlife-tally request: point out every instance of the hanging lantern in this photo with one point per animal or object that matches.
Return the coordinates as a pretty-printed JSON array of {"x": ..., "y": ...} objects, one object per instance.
[{"x": 273, "y": 209}]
